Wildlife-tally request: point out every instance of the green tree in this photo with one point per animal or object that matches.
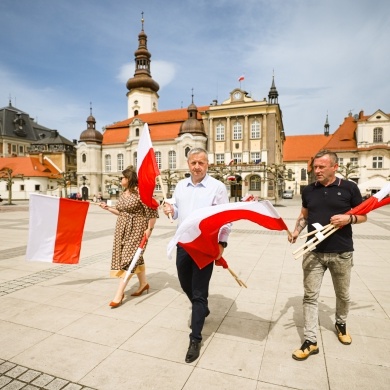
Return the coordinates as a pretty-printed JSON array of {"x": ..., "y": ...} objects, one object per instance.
[{"x": 7, "y": 175}]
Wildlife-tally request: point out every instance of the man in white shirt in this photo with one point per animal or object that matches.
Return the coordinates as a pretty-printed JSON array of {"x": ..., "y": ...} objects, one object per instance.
[{"x": 197, "y": 191}]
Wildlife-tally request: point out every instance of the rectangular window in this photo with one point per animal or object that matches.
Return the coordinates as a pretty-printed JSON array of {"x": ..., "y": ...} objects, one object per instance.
[
  {"x": 237, "y": 131},
  {"x": 354, "y": 160},
  {"x": 220, "y": 132},
  {"x": 120, "y": 162},
  {"x": 37, "y": 187},
  {"x": 341, "y": 161},
  {"x": 108, "y": 163},
  {"x": 13, "y": 148},
  {"x": 255, "y": 129},
  {"x": 158, "y": 159},
  {"x": 220, "y": 158},
  {"x": 22, "y": 187},
  {"x": 377, "y": 162},
  {"x": 255, "y": 158},
  {"x": 237, "y": 157},
  {"x": 172, "y": 159},
  {"x": 21, "y": 149}
]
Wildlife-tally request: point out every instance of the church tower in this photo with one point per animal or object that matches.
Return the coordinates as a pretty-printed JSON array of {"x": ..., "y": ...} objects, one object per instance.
[
  {"x": 142, "y": 96},
  {"x": 89, "y": 159}
]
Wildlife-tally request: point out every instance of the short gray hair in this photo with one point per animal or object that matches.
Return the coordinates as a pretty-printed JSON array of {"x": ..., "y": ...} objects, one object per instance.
[
  {"x": 332, "y": 155},
  {"x": 197, "y": 151}
]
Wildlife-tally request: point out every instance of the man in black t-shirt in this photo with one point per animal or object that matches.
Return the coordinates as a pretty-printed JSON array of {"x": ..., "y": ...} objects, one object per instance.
[{"x": 326, "y": 201}]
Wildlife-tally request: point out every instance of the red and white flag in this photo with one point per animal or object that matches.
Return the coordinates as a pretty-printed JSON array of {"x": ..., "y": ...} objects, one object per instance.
[
  {"x": 381, "y": 198},
  {"x": 56, "y": 229},
  {"x": 241, "y": 78},
  {"x": 198, "y": 234},
  {"x": 147, "y": 169}
]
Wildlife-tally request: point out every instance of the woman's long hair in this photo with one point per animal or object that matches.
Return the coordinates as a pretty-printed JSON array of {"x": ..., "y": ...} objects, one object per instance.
[{"x": 131, "y": 175}]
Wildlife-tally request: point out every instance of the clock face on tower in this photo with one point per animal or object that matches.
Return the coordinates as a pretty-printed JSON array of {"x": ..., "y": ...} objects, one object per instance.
[{"x": 237, "y": 95}]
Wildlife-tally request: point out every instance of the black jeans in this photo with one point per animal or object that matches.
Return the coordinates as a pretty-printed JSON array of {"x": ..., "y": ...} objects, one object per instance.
[{"x": 195, "y": 283}]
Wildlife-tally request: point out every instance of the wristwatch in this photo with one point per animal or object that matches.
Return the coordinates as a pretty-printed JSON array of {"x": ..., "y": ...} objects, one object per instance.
[{"x": 223, "y": 243}]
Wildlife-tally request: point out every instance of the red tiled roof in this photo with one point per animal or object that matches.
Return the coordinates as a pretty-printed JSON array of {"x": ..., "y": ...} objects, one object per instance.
[
  {"x": 28, "y": 166},
  {"x": 303, "y": 147},
  {"x": 163, "y": 125},
  {"x": 344, "y": 137}
]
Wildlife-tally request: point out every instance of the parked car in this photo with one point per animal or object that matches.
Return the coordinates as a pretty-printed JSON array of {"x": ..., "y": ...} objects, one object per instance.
[{"x": 288, "y": 194}]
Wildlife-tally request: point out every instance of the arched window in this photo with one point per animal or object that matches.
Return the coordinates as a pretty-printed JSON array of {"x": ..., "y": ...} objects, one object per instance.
[
  {"x": 255, "y": 129},
  {"x": 220, "y": 132},
  {"x": 84, "y": 158},
  {"x": 137, "y": 132},
  {"x": 158, "y": 159},
  {"x": 107, "y": 163},
  {"x": 237, "y": 130},
  {"x": 186, "y": 151},
  {"x": 303, "y": 174},
  {"x": 254, "y": 183},
  {"x": 378, "y": 134},
  {"x": 172, "y": 159},
  {"x": 120, "y": 162}
]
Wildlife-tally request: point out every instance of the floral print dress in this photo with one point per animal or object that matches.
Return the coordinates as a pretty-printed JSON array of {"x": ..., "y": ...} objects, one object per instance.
[{"x": 130, "y": 227}]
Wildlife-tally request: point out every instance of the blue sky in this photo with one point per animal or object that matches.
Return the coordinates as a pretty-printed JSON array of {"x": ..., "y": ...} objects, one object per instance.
[{"x": 328, "y": 57}]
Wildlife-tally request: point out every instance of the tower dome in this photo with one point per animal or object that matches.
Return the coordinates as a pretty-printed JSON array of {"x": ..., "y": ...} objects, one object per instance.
[
  {"x": 192, "y": 125},
  {"x": 91, "y": 135}
]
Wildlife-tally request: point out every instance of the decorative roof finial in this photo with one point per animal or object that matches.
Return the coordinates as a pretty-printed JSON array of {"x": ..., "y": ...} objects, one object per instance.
[
  {"x": 192, "y": 95},
  {"x": 90, "y": 108},
  {"x": 142, "y": 20}
]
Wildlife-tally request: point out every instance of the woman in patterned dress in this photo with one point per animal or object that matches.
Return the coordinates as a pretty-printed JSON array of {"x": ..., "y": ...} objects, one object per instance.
[{"x": 134, "y": 220}]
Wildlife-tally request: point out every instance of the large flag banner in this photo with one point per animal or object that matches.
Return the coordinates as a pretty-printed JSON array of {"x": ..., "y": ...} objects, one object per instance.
[
  {"x": 147, "y": 169},
  {"x": 56, "y": 229},
  {"x": 381, "y": 198},
  {"x": 198, "y": 234}
]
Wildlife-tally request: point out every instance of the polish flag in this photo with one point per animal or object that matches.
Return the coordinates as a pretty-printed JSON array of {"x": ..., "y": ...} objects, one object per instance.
[
  {"x": 55, "y": 229},
  {"x": 381, "y": 198},
  {"x": 241, "y": 78},
  {"x": 198, "y": 234},
  {"x": 147, "y": 169}
]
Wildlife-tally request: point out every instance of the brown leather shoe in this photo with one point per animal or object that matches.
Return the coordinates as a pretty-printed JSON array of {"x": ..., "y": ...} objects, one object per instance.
[
  {"x": 342, "y": 334},
  {"x": 308, "y": 348}
]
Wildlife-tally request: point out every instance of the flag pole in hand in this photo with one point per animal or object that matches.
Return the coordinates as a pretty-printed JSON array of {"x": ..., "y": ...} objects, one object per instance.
[{"x": 135, "y": 258}]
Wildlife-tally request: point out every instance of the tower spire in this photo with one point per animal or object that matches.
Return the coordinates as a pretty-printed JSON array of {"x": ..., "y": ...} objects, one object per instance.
[
  {"x": 326, "y": 126},
  {"x": 273, "y": 93},
  {"x": 142, "y": 95}
]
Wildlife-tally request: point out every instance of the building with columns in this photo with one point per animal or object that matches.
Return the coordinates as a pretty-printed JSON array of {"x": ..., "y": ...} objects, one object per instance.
[{"x": 242, "y": 136}]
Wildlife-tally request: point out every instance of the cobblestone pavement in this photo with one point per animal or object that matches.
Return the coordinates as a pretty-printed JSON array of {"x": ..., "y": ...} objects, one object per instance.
[{"x": 15, "y": 377}]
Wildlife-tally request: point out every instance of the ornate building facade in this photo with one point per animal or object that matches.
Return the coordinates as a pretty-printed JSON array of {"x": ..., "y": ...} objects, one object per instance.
[{"x": 243, "y": 138}]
